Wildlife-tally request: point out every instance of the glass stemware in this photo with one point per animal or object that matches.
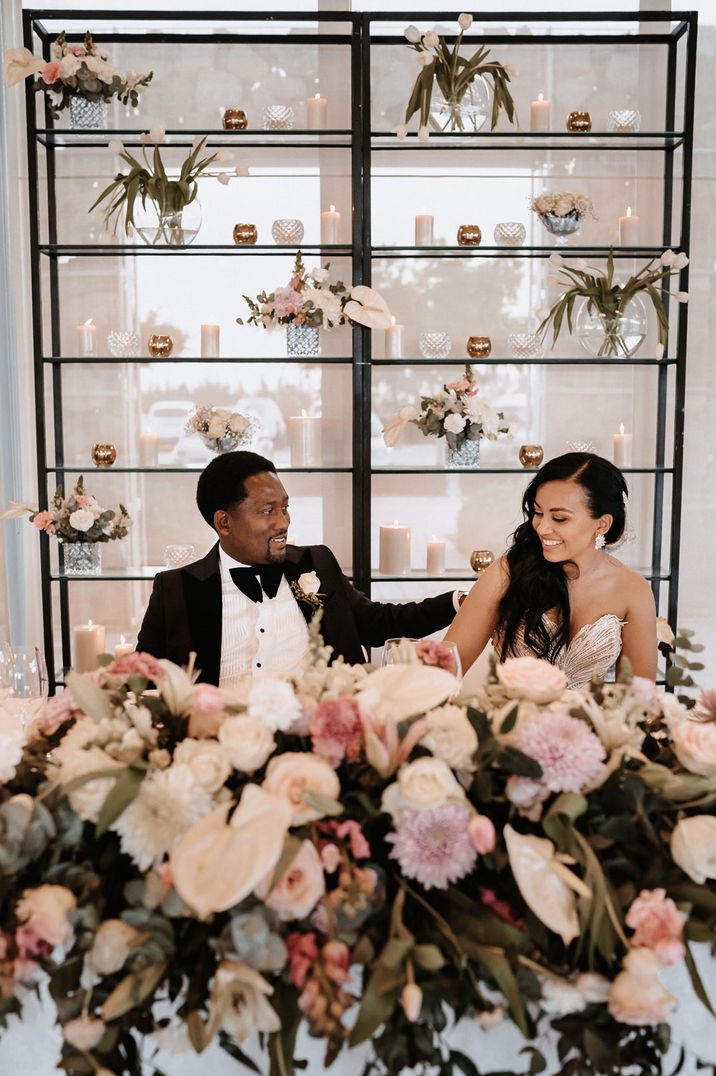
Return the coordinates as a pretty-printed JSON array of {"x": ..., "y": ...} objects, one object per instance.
[
  {"x": 29, "y": 687},
  {"x": 6, "y": 669}
]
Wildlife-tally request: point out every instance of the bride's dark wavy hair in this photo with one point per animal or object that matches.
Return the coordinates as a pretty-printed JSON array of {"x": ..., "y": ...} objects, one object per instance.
[{"x": 536, "y": 585}]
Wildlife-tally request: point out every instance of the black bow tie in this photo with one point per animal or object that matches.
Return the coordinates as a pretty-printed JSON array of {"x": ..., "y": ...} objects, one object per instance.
[{"x": 260, "y": 579}]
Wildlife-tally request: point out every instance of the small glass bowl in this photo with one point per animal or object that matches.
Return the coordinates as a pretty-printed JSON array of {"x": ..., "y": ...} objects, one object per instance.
[
  {"x": 624, "y": 120},
  {"x": 524, "y": 346},
  {"x": 278, "y": 118},
  {"x": 580, "y": 446},
  {"x": 510, "y": 233},
  {"x": 176, "y": 556},
  {"x": 122, "y": 343},
  {"x": 434, "y": 345},
  {"x": 287, "y": 231}
]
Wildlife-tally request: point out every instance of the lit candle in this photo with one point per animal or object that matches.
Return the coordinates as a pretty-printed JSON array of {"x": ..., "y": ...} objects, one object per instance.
[
  {"x": 316, "y": 111},
  {"x": 394, "y": 340},
  {"x": 88, "y": 644},
  {"x": 330, "y": 226},
  {"x": 210, "y": 341},
  {"x": 304, "y": 438},
  {"x": 424, "y": 230},
  {"x": 394, "y": 556},
  {"x": 541, "y": 114},
  {"x": 623, "y": 443},
  {"x": 122, "y": 649},
  {"x": 148, "y": 449},
  {"x": 629, "y": 229},
  {"x": 435, "y": 561},
  {"x": 86, "y": 339}
]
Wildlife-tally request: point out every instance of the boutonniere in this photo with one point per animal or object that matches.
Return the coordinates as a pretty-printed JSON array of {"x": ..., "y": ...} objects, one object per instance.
[{"x": 305, "y": 589}]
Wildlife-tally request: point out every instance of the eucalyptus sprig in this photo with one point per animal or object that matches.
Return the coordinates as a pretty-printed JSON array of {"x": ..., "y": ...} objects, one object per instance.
[{"x": 609, "y": 298}]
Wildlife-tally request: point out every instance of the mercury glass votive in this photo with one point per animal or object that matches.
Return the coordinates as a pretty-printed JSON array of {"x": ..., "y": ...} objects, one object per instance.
[
  {"x": 122, "y": 344},
  {"x": 434, "y": 345},
  {"x": 579, "y": 122},
  {"x": 531, "y": 455},
  {"x": 480, "y": 559},
  {"x": 160, "y": 345},
  {"x": 245, "y": 235},
  {"x": 287, "y": 231},
  {"x": 478, "y": 347},
  {"x": 509, "y": 233},
  {"x": 469, "y": 235},
  {"x": 103, "y": 455},
  {"x": 278, "y": 118},
  {"x": 624, "y": 120},
  {"x": 235, "y": 119},
  {"x": 524, "y": 346}
]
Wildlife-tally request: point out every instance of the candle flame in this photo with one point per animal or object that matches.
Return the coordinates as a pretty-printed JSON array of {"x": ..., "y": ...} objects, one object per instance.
[
  {"x": 433, "y": 539},
  {"x": 395, "y": 523},
  {"x": 121, "y": 640},
  {"x": 332, "y": 208},
  {"x": 89, "y": 623},
  {"x": 392, "y": 320},
  {"x": 621, "y": 428},
  {"x": 317, "y": 97},
  {"x": 89, "y": 321},
  {"x": 541, "y": 97},
  {"x": 303, "y": 413},
  {"x": 628, "y": 211}
]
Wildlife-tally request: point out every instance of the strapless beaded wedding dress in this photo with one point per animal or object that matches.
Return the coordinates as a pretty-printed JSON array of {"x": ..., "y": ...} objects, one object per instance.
[{"x": 593, "y": 651}]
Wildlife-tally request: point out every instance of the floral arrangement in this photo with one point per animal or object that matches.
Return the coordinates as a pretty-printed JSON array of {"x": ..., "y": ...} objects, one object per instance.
[
  {"x": 76, "y": 518},
  {"x": 563, "y": 204},
  {"x": 74, "y": 71},
  {"x": 310, "y": 299},
  {"x": 609, "y": 298},
  {"x": 454, "y": 76},
  {"x": 219, "y": 424},
  {"x": 456, "y": 413},
  {"x": 349, "y": 850}
]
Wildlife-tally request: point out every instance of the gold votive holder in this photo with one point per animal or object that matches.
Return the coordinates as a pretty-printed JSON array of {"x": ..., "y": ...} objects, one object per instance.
[
  {"x": 103, "y": 455},
  {"x": 579, "y": 122},
  {"x": 478, "y": 347},
  {"x": 235, "y": 119},
  {"x": 245, "y": 235},
  {"x": 160, "y": 345},
  {"x": 469, "y": 235},
  {"x": 531, "y": 455},
  {"x": 480, "y": 559}
]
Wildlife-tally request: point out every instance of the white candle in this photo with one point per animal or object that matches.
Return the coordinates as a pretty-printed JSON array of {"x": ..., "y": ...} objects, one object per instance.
[
  {"x": 435, "y": 560},
  {"x": 148, "y": 449},
  {"x": 629, "y": 229},
  {"x": 88, "y": 644},
  {"x": 304, "y": 438},
  {"x": 394, "y": 550},
  {"x": 122, "y": 649},
  {"x": 541, "y": 114},
  {"x": 316, "y": 112},
  {"x": 86, "y": 339},
  {"x": 623, "y": 444},
  {"x": 330, "y": 226},
  {"x": 394, "y": 340},
  {"x": 424, "y": 230},
  {"x": 210, "y": 348}
]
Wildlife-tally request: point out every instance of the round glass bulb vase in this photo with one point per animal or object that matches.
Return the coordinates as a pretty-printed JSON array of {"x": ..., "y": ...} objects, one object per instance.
[
  {"x": 302, "y": 341},
  {"x": 160, "y": 226},
  {"x": 609, "y": 336},
  {"x": 82, "y": 558},
  {"x": 465, "y": 457},
  {"x": 468, "y": 114},
  {"x": 87, "y": 115}
]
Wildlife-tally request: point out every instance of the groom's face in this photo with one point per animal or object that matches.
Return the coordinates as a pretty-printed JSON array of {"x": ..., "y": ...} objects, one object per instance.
[{"x": 255, "y": 530}]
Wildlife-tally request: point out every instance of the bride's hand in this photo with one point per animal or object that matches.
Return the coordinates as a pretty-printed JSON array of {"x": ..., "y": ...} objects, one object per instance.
[{"x": 475, "y": 624}]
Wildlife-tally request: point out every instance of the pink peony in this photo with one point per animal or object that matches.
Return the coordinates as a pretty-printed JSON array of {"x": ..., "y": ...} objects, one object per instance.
[
  {"x": 336, "y": 729},
  {"x": 302, "y": 955},
  {"x": 136, "y": 664},
  {"x": 658, "y": 925},
  {"x": 568, "y": 751},
  {"x": 482, "y": 834},
  {"x": 51, "y": 72},
  {"x": 286, "y": 301},
  {"x": 44, "y": 521},
  {"x": 296, "y": 894},
  {"x": 434, "y": 846},
  {"x": 431, "y": 652}
]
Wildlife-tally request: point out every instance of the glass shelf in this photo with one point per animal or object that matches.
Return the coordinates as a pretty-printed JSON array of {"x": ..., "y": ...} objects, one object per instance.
[
  {"x": 521, "y": 140},
  {"x": 257, "y": 139},
  {"x": 499, "y": 470},
  {"x": 551, "y": 361},
  {"x": 573, "y": 251},
  {"x": 456, "y": 575},
  {"x": 138, "y": 360},
  {"x": 117, "y": 250},
  {"x": 90, "y": 468}
]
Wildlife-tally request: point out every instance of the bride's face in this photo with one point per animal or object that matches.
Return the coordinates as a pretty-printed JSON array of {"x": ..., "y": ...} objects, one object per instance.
[{"x": 563, "y": 522}]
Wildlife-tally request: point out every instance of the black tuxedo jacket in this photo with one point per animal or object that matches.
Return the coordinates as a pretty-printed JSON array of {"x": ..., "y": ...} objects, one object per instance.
[{"x": 184, "y": 611}]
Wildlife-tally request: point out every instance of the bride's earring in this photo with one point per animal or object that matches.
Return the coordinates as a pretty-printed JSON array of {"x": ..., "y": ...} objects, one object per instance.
[{"x": 600, "y": 541}]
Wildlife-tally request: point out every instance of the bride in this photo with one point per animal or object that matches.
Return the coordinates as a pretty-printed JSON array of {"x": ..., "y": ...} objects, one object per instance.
[{"x": 557, "y": 593}]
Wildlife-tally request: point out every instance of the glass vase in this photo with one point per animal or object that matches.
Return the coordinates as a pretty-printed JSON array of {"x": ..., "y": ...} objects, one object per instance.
[
  {"x": 87, "y": 115},
  {"x": 561, "y": 227},
  {"x": 467, "y": 113},
  {"x": 161, "y": 226},
  {"x": 82, "y": 558},
  {"x": 466, "y": 456},
  {"x": 606, "y": 335},
  {"x": 302, "y": 341},
  {"x": 220, "y": 445},
  {"x": 434, "y": 345}
]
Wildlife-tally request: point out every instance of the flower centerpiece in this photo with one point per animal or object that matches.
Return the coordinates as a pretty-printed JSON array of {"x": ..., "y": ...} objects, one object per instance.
[
  {"x": 562, "y": 212},
  {"x": 172, "y": 215},
  {"x": 349, "y": 850},
  {"x": 222, "y": 430},
  {"x": 464, "y": 99},
  {"x": 310, "y": 302},
  {"x": 458, "y": 415},
  {"x": 81, "y": 76},
  {"x": 611, "y": 321}
]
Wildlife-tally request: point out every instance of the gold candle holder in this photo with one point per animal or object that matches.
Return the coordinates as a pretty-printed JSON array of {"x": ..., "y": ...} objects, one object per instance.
[
  {"x": 245, "y": 235},
  {"x": 469, "y": 235},
  {"x": 103, "y": 455},
  {"x": 160, "y": 345},
  {"x": 235, "y": 119},
  {"x": 478, "y": 347},
  {"x": 480, "y": 559},
  {"x": 579, "y": 122},
  {"x": 531, "y": 455}
]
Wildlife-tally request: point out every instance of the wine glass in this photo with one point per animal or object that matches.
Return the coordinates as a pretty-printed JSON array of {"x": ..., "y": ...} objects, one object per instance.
[
  {"x": 399, "y": 651},
  {"x": 6, "y": 667},
  {"x": 29, "y": 686}
]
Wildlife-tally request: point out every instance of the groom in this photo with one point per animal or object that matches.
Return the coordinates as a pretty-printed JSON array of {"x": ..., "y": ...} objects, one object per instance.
[{"x": 244, "y": 608}]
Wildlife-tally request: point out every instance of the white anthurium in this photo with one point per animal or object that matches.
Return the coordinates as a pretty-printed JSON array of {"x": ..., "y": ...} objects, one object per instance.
[
  {"x": 368, "y": 307},
  {"x": 218, "y": 863},
  {"x": 19, "y": 64},
  {"x": 548, "y": 887},
  {"x": 392, "y": 431},
  {"x": 402, "y": 691},
  {"x": 176, "y": 687}
]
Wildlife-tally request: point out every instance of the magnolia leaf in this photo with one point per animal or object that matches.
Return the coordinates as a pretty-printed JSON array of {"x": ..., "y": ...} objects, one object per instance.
[
  {"x": 291, "y": 847},
  {"x": 375, "y": 1009},
  {"x": 196, "y": 1030},
  {"x": 89, "y": 697},
  {"x": 133, "y": 990},
  {"x": 696, "y": 981},
  {"x": 429, "y": 957},
  {"x": 125, "y": 790},
  {"x": 395, "y": 952},
  {"x": 320, "y": 802},
  {"x": 570, "y": 804},
  {"x": 499, "y": 967}
]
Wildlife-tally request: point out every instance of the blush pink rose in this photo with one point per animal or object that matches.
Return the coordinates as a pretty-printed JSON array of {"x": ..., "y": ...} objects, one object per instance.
[
  {"x": 336, "y": 729},
  {"x": 431, "y": 652},
  {"x": 459, "y": 386},
  {"x": 208, "y": 699},
  {"x": 637, "y": 996},
  {"x": 51, "y": 72},
  {"x": 658, "y": 925},
  {"x": 302, "y": 955},
  {"x": 136, "y": 664},
  {"x": 44, "y": 912},
  {"x": 296, "y": 894},
  {"x": 54, "y": 713},
  {"x": 44, "y": 521},
  {"x": 482, "y": 834}
]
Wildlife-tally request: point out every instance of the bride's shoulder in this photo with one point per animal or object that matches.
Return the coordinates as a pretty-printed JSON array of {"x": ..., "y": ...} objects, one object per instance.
[{"x": 632, "y": 585}]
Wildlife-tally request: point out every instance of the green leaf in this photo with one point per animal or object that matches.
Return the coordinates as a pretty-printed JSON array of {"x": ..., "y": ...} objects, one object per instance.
[
  {"x": 133, "y": 990},
  {"x": 196, "y": 1031},
  {"x": 291, "y": 848},
  {"x": 125, "y": 790},
  {"x": 696, "y": 981},
  {"x": 570, "y": 804},
  {"x": 495, "y": 961},
  {"x": 428, "y": 957},
  {"x": 325, "y": 804},
  {"x": 515, "y": 761},
  {"x": 89, "y": 697},
  {"x": 375, "y": 1009},
  {"x": 395, "y": 952},
  {"x": 510, "y": 720}
]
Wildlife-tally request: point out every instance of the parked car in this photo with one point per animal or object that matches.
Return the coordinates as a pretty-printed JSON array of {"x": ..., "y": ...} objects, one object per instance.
[{"x": 168, "y": 419}]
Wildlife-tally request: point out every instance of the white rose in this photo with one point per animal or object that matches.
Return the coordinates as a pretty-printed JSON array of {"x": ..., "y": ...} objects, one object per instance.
[
  {"x": 294, "y": 772},
  {"x": 319, "y": 275},
  {"x": 248, "y": 742},
  {"x": 693, "y": 846},
  {"x": 464, "y": 21},
  {"x": 422, "y": 785},
  {"x": 112, "y": 944},
  {"x": 44, "y": 912},
  {"x": 637, "y": 996},
  {"x": 560, "y": 997},
  {"x": 274, "y": 702},
  {"x": 481, "y": 412},
  {"x": 69, "y": 65},
  {"x": 695, "y": 745},
  {"x": 531, "y": 678},
  {"x": 12, "y": 738},
  {"x": 87, "y": 799},
  {"x": 455, "y": 423},
  {"x": 84, "y": 1032},
  {"x": 82, "y": 519},
  {"x": 451, "y": 737},
  {"x": 594, "y": 988},
  {"x": 216, "y": 426},
  {"x": 207, "y": 761},
  {"x": 309, "y": 583}
]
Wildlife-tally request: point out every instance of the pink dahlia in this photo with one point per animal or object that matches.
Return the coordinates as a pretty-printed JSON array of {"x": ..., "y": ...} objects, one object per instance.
[
  {"x": 658, "y": 925},
  {"x": 434, "y": 846},
  {"x": 567, "y": 750},
  {"x": 286, "y": 301}
]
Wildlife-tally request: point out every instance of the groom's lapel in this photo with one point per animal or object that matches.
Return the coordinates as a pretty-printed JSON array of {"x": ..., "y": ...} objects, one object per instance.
[
  {"x": 298, "y": 561},
  {"x": 202, "y": 589}
]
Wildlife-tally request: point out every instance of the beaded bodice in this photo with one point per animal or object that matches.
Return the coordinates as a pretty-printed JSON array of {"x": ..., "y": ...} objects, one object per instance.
[{"x": 593, "y": 651}]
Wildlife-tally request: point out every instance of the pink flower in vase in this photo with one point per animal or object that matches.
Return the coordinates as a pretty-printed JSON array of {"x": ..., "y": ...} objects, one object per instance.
[
  {"x": 51, "y": 72},
  {"x": 462, "y": 385},
  {"x": 286, "y": 301},
  {"x": 44, "y": 521}
]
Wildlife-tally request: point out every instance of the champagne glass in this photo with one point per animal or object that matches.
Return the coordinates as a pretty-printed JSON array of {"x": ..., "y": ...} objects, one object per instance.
[{"x": 29, "y": 686}]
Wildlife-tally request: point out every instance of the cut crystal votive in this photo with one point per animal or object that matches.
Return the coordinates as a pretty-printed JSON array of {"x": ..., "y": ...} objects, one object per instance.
[
  {"x": 524, "y": 346},
  {"x": 510, "y": 233},
  {"x": 287, "y": 231},
  {"x": 122, "y": 344},
  {"x": 176, "y": 556},
  {"x": 624, "y": 120},
  {"x": 278, "y": 118},
  {"x": 434, "y": 345},
  {"x": 580, "y": 446}
]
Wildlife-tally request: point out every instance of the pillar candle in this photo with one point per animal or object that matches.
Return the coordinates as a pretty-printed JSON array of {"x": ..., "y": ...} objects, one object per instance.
[
  {"x": 210, "y": 335},
  {"x": 316, "y": 112},
  {"x": 86, "y": 339},
  {"x": 394, "y": 340},
  {"x": 629, "y": 230},
  {"x": 435, "y": 560},
  {"x": 394, "y": 550},
  {"x": 424, "y": 230},
  {"x": 88, "y": 644},
  {"x": 148, "y": 449},
  {"x": 122, "y": 649},
  {"x": 330, "y": 226},
  {"x": 304, "y": 438},
  {"x": 623, "y": 443},
  {"x": 541, "y": 114}
]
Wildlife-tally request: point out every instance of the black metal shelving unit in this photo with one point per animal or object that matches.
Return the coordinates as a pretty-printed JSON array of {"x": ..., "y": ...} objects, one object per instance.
[{"x": 361, "y": 34}]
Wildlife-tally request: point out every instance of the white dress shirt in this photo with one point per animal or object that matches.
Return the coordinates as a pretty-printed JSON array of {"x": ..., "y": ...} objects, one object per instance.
[{"x": 267, "y": 638}]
